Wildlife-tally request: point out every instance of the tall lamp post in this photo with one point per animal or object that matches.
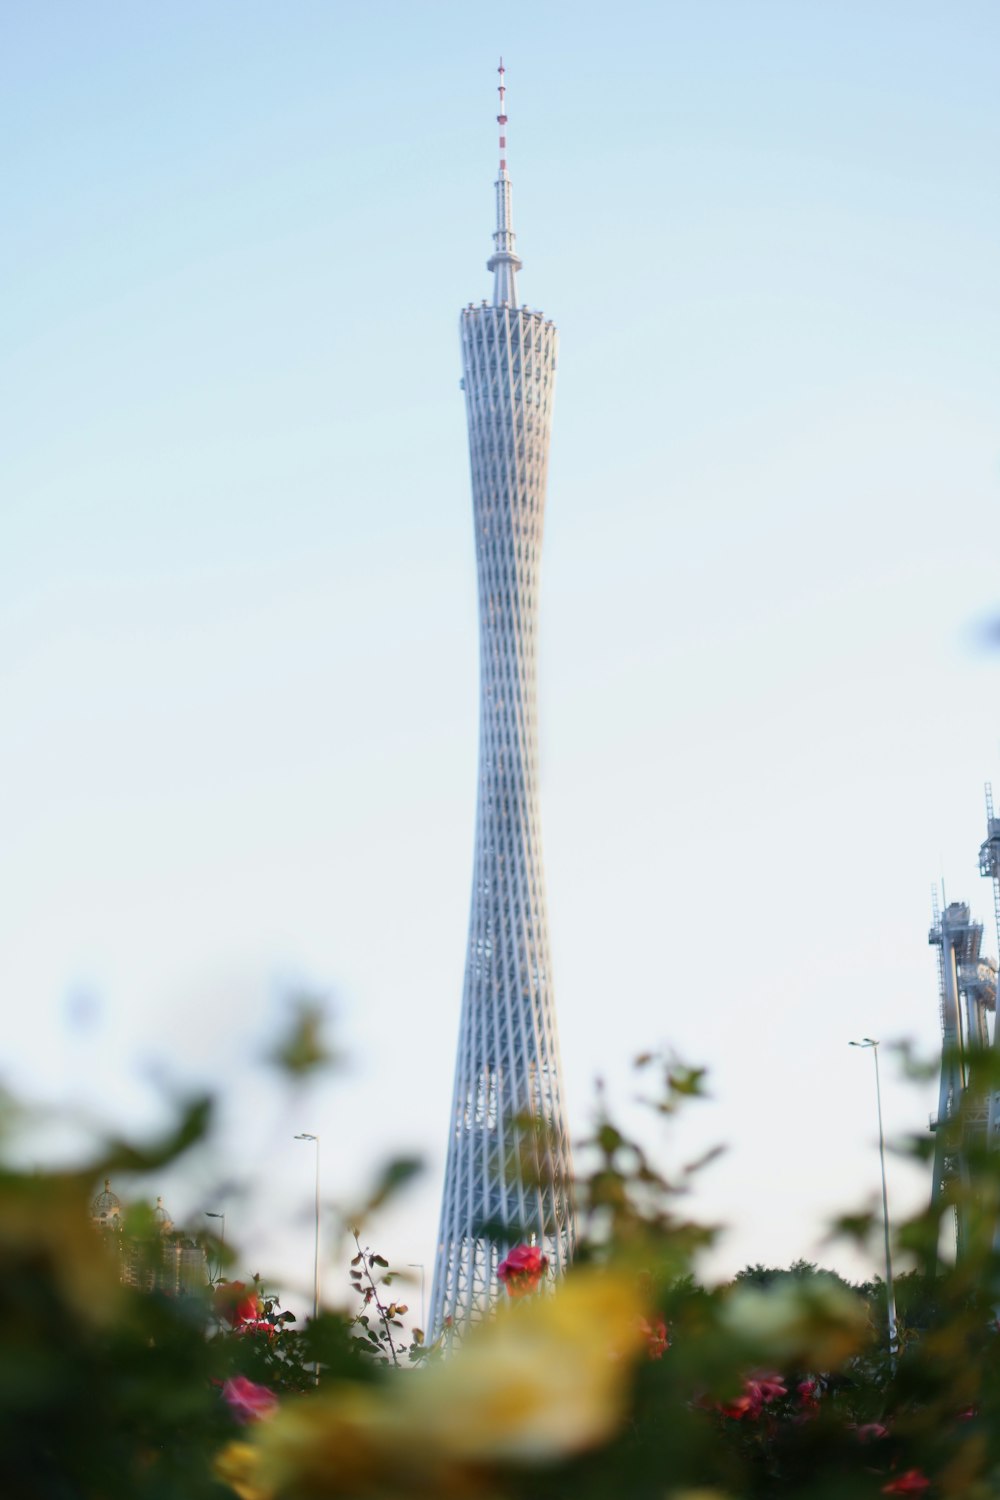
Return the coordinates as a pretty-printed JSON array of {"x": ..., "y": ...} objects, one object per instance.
[
  {"x": 890, "y": 1296},
  {"x": 417, "y": 1265},
  {"x": 305, "y": 1136}
]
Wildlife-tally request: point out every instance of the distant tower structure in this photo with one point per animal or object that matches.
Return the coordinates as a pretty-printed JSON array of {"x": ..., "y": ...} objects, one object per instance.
[
  {"x": 508, "y": 1169},
  {"x": 989, "y": 866},
  {"x": 106, "y": 1210},
  {"x": 967, "y": 984}
]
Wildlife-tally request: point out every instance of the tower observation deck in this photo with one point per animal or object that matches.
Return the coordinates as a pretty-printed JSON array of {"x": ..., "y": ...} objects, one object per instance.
[{"x": 507, "y": 1176}]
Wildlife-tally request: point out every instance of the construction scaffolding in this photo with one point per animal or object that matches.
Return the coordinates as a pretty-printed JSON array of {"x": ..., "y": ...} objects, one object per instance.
[{"x": 968, "y": 1113}]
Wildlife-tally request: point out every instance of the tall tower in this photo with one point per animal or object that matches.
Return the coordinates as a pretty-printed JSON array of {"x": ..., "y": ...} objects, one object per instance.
[
  {"x": 989, "y": 865},
  {"x": 508, "y": 1170}
]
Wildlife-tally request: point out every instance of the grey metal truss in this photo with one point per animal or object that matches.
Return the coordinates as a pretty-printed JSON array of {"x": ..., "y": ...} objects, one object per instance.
[{"x": 967, "y": 984}]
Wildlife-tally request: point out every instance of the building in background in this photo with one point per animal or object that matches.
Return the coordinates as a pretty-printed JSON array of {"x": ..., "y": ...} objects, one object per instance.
[
  {"x": 151, "y": 1254},
  {"x": 507, "y": 1177}
]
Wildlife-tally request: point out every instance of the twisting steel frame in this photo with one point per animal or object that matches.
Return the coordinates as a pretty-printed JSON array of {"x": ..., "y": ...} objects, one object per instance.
[{"x": 508, "y": 1173}]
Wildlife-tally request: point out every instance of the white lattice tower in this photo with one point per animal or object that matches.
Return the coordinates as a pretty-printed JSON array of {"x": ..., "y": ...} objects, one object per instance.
[{"x": 508, "y": 1172}]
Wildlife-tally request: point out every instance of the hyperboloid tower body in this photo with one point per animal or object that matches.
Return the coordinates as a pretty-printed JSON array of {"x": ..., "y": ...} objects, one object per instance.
[{"x": 507, "y": 1177}]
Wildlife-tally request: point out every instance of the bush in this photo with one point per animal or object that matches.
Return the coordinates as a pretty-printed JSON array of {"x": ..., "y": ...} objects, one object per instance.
[{"x": 629, "y": 1378}]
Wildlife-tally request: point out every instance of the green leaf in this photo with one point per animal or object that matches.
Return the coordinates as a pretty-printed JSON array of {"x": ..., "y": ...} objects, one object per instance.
[
  {"x": 192, "y": 1127},
  {"x": 394, "y": 1175},
  {"x": 302, "y": 1050},
  {"x": 853, "y": 1226},
  {"x": 706, "y": 1158},
  {"x": 687, "y": 1082}
]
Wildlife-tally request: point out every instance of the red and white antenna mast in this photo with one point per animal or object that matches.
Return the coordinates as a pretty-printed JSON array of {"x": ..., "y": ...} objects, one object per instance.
[
  {"x": 502, "y": 117},
  {"x": 503, "y": 262}
]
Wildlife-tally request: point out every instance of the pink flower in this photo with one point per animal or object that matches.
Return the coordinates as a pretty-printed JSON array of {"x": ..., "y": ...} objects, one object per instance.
[
  {"x": 913, "y": 1482},
  {"x": 808, "y": 1394},
  {"x": 522, "y": 1270},
  {"x": 768, "y": 1386},
  {"x": 758, "y": 1390},
  {"x": 656, "y": 1336},
  {"x": 870, "y": 1432},
  {"x": 247, "y": 1401}
]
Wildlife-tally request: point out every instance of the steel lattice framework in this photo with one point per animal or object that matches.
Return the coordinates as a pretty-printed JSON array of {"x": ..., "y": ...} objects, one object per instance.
[
  {"x": 968, "y": 993},
  {"x": 508, "y": 1174}
]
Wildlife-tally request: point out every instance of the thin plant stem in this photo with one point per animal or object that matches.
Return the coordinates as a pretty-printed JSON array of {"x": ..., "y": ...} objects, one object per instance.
[{"x": 381, "y": 1310}]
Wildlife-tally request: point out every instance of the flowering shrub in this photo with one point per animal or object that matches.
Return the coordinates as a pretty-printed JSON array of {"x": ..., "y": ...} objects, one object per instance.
[{"x": 627, "y": 1378}]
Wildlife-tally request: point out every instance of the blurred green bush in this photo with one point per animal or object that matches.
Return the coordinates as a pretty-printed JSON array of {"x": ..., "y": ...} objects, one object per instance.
[{"x": 630, "y": 1378}]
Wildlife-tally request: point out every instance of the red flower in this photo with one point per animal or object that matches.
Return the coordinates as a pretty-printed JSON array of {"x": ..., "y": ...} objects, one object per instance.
[
  {"x": 248, "y": 1401},
  {"x": 743, "y": 1406},
  {"x": 522, "y": 1270},
  {"x": 913, "y": 1482},
  {"x": 807, "y": 1392},
  {"x": 656, "y": 1336},
  {"x": 235, "y": 1305}
]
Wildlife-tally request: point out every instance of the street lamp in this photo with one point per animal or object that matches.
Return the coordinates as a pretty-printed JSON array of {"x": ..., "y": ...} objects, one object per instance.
[
  {"x": 210, "y": 1215},
  {"x": 418, "y": 1265},
  {"x": 305, "y": 1136},
  {"x": 890, "y": 1295}
]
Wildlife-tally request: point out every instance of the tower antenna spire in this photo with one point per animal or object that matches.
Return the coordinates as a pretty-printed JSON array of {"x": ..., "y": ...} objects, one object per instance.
[
  {"x": 503, "y": 262},
  {"x": 502, "y": 117}
]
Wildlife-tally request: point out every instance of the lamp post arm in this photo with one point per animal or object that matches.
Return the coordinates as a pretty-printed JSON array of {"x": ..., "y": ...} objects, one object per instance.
[{"x": 316, "y": 1243}]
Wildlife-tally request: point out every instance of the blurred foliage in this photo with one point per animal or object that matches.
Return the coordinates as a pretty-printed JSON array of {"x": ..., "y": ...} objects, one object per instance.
[
  {"x": 628, "y": 1378},
  {"x": 303, "y": 1049}
]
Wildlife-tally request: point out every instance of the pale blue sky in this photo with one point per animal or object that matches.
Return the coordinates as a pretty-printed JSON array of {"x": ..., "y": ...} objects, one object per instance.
[{"x": 237, "y": 593}]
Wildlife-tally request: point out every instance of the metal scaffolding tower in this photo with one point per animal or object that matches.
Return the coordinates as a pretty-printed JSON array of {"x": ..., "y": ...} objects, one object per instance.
[
  {"x": 508, "y": 1175},
  {"x": 967, "y": 984},
  {"x": 989, "y": 865}
]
